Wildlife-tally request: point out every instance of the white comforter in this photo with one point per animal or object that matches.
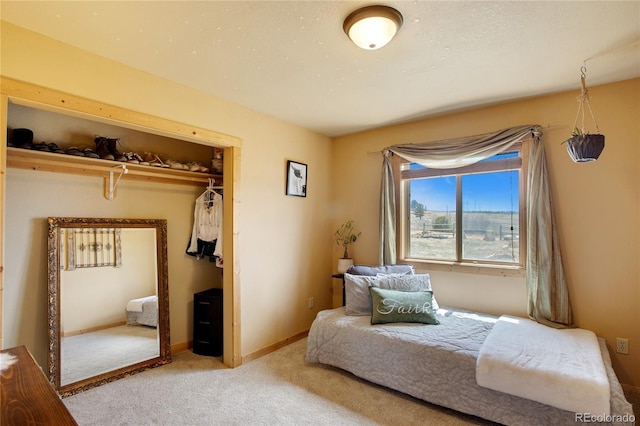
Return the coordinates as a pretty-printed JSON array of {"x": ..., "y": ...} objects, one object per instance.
[
  {"x": 135, "y": 305},
  {"x": 143, "y": 311},
  {"x": 559, "y": 367}
]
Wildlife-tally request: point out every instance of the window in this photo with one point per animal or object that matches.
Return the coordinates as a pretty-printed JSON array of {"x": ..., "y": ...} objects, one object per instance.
[{"x": 471, "y": 214}]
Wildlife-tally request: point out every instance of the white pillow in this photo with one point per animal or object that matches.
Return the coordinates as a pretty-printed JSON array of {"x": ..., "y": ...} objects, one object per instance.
[
  {"x": 358, "y": 297},
  {"x": 417, "y": 282},
  {"x": 356, "y": 292}
]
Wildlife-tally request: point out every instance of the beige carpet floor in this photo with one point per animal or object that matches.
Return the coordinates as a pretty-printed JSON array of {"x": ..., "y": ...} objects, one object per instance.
[
  {"x": 277, "y": 389},
  {"x": 89, "y": 354}
]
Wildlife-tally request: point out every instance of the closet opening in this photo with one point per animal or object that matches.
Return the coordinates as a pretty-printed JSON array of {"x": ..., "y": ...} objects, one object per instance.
[{"x": 145, "y": 133}]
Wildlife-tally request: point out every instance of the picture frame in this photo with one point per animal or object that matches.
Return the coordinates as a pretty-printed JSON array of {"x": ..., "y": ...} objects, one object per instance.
[{"x": 296, "y": 179}]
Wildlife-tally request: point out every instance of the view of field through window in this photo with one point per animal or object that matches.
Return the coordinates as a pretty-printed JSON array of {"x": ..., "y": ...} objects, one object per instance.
[{"x": 490, "y": 217}]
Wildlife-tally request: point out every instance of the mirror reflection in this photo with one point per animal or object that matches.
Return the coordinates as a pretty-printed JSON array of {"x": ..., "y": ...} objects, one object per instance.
[
  {"x": 108, "y": 306},
  {"x": 107, "y": 298}
]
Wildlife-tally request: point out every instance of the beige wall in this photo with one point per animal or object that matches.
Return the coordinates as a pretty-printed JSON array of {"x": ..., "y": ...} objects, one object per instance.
[
  {"x": 597, "y": 208},
  {"x": 284, "y": 241}
]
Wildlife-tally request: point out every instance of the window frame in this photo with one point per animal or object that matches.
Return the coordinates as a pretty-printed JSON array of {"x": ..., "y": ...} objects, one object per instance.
[{"x": 402, "y": 175}]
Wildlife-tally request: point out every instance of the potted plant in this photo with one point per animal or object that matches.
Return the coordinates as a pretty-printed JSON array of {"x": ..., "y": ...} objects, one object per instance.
[
  {"x": 344, "y": 236},
  {"x": 584, "y": 147}
]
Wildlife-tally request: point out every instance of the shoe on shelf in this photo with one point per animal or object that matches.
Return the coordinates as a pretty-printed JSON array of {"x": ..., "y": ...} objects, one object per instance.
[
  {"x": 55, "y": 148},
  {"x": 176, "y": 165},
  {"x": 22, "y": 137},
  {"x": 102, "y": 148},
  {"x": 75, "y": 151},
  {"x": 113, "y": 149},
  {"x": 130, "y": 158},
  {"x": 139, "y": 158},
  {"x": 154, "y": 160},
  {"x": 41, "y": 146},
  {"x": 193, "y": 166},
  {"x": 151, "y": 159},
  {"x": 88, "y": 152}
]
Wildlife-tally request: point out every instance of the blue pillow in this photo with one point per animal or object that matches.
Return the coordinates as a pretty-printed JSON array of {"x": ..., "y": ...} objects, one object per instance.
[
  {"x": 389, "y": 306},
  {"x": 383, "y": 269}
]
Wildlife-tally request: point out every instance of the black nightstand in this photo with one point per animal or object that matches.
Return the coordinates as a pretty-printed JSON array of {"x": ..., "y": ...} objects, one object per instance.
[
  {"x": 344, "y": 296},
  {"x": 207, "y": 322}
]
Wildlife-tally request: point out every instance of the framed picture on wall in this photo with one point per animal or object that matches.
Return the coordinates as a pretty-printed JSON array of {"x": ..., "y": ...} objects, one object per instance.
[{"x": 296, "y": 179}]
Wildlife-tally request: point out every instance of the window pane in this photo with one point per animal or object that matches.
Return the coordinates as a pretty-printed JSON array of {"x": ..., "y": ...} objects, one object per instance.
[
  {"x": 432, "y": 218},
  {"x": 490, "y": 217},
  {"x": 503, "y": 156}
]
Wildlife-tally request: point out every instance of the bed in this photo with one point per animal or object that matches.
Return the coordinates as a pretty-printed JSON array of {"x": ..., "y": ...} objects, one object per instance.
[
  {"x": 142, "y": 311},
  {"x": 438, "y": 364}
]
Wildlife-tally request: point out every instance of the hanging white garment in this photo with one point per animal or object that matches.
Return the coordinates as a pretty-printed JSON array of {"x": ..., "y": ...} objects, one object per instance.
[{"x": 207, "y": 221}]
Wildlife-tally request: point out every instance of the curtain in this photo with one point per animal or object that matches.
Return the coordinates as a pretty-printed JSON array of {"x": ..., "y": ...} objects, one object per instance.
[
  {"x": 387, "y": 214},
  {"x": 547, "y": 293},
  {"x": 548, "y": 299}
]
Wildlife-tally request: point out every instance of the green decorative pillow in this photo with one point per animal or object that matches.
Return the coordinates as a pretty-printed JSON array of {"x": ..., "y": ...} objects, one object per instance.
[{"x": 402, "y": 306}]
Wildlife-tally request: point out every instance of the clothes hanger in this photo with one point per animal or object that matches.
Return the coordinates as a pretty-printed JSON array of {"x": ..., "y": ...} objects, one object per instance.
[
  {"x": 212, "y": 185},
  {"x": 210, "y": 192}
]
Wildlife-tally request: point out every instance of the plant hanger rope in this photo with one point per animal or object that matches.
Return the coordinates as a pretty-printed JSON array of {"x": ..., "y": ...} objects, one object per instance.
[{"x": 582, "y": 100}]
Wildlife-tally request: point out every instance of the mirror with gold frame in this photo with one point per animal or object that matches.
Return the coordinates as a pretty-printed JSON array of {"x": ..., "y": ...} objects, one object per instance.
[{"x": 108, "y": 300}]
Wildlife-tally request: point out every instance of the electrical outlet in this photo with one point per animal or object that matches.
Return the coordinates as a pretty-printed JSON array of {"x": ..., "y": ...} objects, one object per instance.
[
  {"x": 622, "y": 346},
  {"x": 310, "y": 302}
]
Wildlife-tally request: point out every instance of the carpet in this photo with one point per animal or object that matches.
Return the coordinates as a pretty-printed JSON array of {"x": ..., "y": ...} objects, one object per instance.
[
  {"x": 89, "y": 354},
  {"x": 277, "y": 389}
]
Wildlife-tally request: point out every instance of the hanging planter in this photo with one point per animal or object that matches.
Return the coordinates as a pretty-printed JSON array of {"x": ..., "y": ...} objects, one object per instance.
[{"x": 582, "y": 146}]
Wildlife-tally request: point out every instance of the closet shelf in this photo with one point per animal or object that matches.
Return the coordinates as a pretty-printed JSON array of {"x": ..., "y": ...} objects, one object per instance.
[{"x": 62, "y": 163}]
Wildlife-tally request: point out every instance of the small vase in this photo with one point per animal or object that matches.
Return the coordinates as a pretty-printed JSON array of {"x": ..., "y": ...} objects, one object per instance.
[{"x": 344, "y": 264}]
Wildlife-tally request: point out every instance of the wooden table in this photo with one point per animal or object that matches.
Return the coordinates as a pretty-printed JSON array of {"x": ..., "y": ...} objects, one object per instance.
[{"x": 26, "y": 397}]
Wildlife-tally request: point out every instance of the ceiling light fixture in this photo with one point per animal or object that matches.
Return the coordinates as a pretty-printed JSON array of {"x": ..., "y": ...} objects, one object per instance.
[{"x": 372, "y": 27}]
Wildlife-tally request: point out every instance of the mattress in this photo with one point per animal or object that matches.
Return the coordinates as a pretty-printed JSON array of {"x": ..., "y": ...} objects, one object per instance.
[
  {"x": 143, "y": 311},
  {"x": 437, "y": 363}
]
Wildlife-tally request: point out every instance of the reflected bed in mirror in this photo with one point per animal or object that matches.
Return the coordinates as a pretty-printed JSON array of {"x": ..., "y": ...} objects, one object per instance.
[{"x": 108, "y": 300}]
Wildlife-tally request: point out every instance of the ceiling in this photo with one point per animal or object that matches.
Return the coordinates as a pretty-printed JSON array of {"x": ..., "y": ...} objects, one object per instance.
[{"x": 292, "y": 60}]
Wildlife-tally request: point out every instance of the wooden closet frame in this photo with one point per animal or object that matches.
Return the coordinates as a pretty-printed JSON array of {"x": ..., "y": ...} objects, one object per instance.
[{"x": 30, "y": 95}]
